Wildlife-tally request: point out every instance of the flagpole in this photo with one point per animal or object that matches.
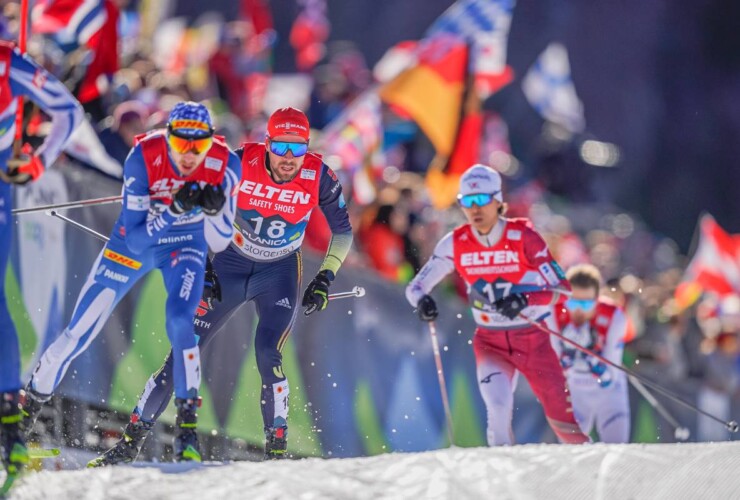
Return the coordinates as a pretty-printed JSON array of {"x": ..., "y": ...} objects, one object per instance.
[{"x": 22, "y": 38}]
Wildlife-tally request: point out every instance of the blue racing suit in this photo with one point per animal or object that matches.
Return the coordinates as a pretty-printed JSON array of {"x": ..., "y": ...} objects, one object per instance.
[
  {"x": 20, "y": 76},
  {"x": 148, "y": 235},
  {"x": 263, "y": 264}
]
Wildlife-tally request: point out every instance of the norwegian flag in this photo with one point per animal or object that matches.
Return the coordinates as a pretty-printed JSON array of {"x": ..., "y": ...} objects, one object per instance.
[
  {"x": 72, "y": 23},
  {"x": 715, "y": 266}
]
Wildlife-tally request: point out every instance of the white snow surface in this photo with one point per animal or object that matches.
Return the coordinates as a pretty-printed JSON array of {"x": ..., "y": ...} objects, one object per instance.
[{"x": 631, "y": 471}]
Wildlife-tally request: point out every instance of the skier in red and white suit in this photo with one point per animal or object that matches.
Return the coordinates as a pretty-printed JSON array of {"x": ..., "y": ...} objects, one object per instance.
[
  {"x": 599, "y": 392},
  {"x": 508, "y": 270}
]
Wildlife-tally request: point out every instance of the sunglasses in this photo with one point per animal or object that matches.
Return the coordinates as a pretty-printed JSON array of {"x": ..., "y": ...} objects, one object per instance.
[
  {"x": 585, "y": 305},
  {"x": 281, "y": 148},
  {"x": 480, "y": 199},
  {"x": 184, "y": 145}
]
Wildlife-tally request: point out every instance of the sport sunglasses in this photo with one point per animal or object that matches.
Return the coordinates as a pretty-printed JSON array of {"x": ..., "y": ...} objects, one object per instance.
[
  {"x": 281, "y": 148},
  {"x": 479, "y": 199},
  {"x": 585, "y": 305},
  {"x": 184, "y": 145}
]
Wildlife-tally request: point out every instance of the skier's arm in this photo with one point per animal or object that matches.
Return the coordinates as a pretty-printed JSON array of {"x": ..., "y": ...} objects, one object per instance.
[
  {"x": 614, "y": 344},
  {"x": 439, "y": 265},
  {"x": 140, "y": 233},
  {"x": 220, "y": 227},
  {"x": 539, "y": 256},
  {"x": 29, "y": 79},
  {"x": 331, "y": 202}
]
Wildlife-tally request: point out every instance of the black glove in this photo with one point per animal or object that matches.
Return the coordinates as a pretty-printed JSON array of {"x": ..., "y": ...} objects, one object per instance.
[
  {"x": 211, "y": 286},
  {"x": 316, "y": 296},
  {"x": 427, "y": 308},
  {"x": 511, "y": 305},
  {"x": 186, "y": 198},
  {"x": 212, "y": 199}
]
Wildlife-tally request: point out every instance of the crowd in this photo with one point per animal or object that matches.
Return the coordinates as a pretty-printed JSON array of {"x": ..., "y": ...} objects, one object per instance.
[{"x": 692, "y": 349}]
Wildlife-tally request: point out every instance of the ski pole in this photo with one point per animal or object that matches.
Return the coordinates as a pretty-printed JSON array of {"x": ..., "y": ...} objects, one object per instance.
[
  {"x": 442, "y": 384},
  {"x": 72, "y": 204},
  {"x": 731, "y": 425},
  {"x": 357, "y": 291},
  {"x": 79, "y": 226},
  {"x": 680, "y": 432}
]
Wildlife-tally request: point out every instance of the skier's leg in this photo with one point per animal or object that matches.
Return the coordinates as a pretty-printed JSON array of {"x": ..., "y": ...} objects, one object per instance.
[
  {"x": 613, "y": 417},
  {"x": 535, "y": 358},
  {"x": 10, "y": 362},
  {"x": 496, "y": 382},
  {"x": 111, "y": 277},
  {"x": 274, "y": 288},
  {"x": 183, "y": 270}
]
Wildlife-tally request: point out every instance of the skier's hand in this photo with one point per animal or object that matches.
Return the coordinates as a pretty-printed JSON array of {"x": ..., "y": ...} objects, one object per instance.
[
  {"x": 186, "y": 198},
  {"x": 25, "y": 168},
  {"x": 426, "y": 308},
  {"x": 316, "y": 296},
  {"x": 211, "y": 285},
  {"x": 212, "y": 199},
  {"x": 511, "y": 305}
]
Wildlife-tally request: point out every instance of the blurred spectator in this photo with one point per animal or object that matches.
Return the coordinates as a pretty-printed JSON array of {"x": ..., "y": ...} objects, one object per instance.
[
  {"x": 383, "y": 242},
  {"x": 129, "y": 120},
  {"x": 721, "y": 382}
]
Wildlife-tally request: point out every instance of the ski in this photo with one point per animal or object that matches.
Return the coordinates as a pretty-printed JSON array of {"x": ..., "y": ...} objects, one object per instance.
[
  {"x": 8, "y": 483},
  {"x": 43, "y": 452}
]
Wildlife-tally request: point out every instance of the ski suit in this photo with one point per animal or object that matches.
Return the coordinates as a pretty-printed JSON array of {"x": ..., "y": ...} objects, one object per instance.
[
  {"x": 513, "y": 258},
  {"x": 263, "y": 264},
  {"x": 599, "y": 392},
  {"x": 20, "y": 76},
  {"x": 147, "y": 236}
]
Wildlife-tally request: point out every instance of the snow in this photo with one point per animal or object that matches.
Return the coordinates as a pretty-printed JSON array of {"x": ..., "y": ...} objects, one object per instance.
[{"x": 650, "y": 471}]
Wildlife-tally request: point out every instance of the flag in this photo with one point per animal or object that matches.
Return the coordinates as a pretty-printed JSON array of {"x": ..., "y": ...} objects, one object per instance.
[
  {"x": 469, "y": 38},
  {"x": 71, "y": 23},
  {"x": 431, "y": 93},
  {"x": 715, "y": 266},
  {"x": 355, "y": 138},
  {"x": 549, "y": 88}
]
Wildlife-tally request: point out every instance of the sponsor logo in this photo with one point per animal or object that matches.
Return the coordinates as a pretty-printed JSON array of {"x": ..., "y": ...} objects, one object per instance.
[
  {"x": 175, "y": 239},
  {"x": 542, "y": 253},
  {"x": 121, "y": 278},
  {"x": 602, "y": 321},
  {"x": 39, "y": 78},
  {"x": 289, "y": 125},
  {"x": 213, "y": 164},
  {"x": 157, "y": 161},
  {"x": 308, "y": 174},
  {"x": 278, "y": 371},
  {"x": 489, "y": 257},
  {"x": 284, "y": 303},
  {"x": 164, "y": 187},
  {"x": 202, "y": 324},
  {"x": 259, "y": 190},
  {"x": 137, "y": 203},
  {"x": 192, "y": 124},
  {"x": 202, "y": 308},
  {"x": 128, "y": 181},
  {"x": 101, "y": 269},
  {"x": 549, "y": 274},
  {"x": 487, "y": 378},
  {"x": 332, "y": 174},
  {"x": 3, "y": 68},
  {"x": 514, "y": 235},
  {"x": 121, "y": 259},
  {"x": 253, "y": 162},
  {"x": 188, "y": 279}
]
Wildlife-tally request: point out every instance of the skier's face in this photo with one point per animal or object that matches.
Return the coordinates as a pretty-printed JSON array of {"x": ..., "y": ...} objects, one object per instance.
[
  {"x": 284, "y": 162},
  {"x": 186, "y": 163},
  {"x": 482, "y": 218},
  {"x": 584, "y": 302}
]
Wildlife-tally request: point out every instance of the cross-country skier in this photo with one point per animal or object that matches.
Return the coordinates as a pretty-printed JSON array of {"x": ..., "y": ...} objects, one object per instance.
[
  {"x": 599, "y": 393},
  {"x": 178, "y": 200},
  {"x": 506, "y": 265},
  {"x": 21, "y": 76},
  {"x": 282, "y": 183}
]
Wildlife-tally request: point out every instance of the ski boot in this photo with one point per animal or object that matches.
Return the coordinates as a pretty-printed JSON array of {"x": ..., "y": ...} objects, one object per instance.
[
  {"x": 13, "y": 449},
  {"x": 128, "y": 447},
  {"x": 276, "y": 443},
  {"x": 186, "y": 448},
  {"x": 32, "y": 404}
]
